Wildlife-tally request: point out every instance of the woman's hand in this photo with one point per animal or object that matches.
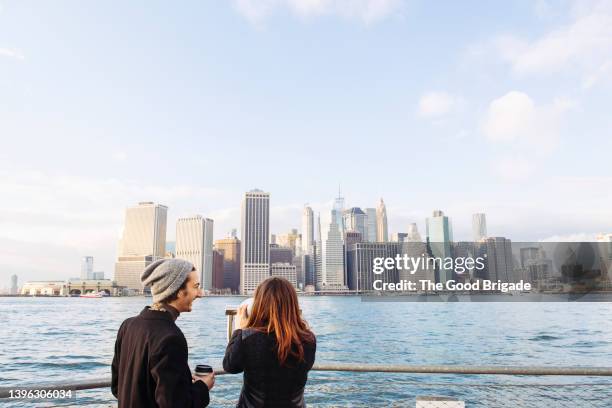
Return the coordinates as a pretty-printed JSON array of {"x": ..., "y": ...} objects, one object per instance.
[{"x": 242, "y": 316}]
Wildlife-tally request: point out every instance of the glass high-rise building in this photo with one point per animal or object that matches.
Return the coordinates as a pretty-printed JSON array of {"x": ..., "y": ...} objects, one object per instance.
[
  {"x": 332, "y": 256},
  {"x": 143, "y": 241},
  {"x": 255, "y": 251},
  {"x": 372, "y": 224},
  {"x": 356, "y": 220},
  {"x": 479, "y": 227},
  {"x": 381, "y": 223},
  {"x": 307, "y": 230},
  {"x": 230, "y": 249},
  {"x": 87, "y": 267},
  {"x": 194, "y": 243},
  {"x": 439, "y": 236}
]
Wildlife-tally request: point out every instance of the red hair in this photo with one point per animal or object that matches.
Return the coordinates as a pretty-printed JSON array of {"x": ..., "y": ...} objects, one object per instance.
[{"x": 276, "y": 310}]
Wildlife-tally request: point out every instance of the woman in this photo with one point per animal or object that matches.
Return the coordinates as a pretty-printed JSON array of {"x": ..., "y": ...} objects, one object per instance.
[{"x": 274, "y": 347}]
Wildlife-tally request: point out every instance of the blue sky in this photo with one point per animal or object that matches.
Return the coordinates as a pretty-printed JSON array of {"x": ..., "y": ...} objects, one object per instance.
[{"x": 496, "y": 107}]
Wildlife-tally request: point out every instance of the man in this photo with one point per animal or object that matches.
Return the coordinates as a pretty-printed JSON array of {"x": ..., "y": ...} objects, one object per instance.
[{"x": 150, "y": 364}]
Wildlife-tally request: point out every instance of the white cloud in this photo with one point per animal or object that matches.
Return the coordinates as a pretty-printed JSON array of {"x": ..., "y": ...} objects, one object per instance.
[
  {"x": 11, "y": 53},
  {"x": 367, "y": 11},
  {"x": 584, "y": 44},
  {"x": 436, "y": 104},
  {"x": 119, "y": 156},
  {"x": 515, "y": 118}
]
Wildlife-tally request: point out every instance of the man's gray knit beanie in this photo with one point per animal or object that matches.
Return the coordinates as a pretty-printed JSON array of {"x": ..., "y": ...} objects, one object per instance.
[{"x": 165, "y": 277}]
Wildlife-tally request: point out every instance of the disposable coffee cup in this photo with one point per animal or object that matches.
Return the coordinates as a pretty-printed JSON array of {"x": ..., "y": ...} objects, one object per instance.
[{"x": 203, "y": 369}]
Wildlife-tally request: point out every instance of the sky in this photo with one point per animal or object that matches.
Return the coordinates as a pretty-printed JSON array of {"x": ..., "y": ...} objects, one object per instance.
[{"x": 472, "y": 106}]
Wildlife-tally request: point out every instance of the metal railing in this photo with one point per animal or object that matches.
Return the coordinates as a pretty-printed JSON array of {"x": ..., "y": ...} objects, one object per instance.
[{"x": 407, "y": 369}]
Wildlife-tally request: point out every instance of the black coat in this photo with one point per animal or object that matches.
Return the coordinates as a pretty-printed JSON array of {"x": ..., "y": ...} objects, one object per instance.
[
  {"x": 150, "y": 365},
  {"x": 266, "y": 382}
]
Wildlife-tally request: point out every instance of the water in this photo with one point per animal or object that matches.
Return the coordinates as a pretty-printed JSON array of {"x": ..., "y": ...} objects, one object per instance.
[{"x": 72, "y": 339}]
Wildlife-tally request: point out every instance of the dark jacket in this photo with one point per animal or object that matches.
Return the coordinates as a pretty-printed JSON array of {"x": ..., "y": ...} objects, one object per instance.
[
  {"x": 266, "y": 383},
  {"x": 150, "y": 365}
]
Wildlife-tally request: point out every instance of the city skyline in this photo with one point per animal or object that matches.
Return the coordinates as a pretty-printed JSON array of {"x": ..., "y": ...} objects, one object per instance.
[{"x": 488, "y": 103}]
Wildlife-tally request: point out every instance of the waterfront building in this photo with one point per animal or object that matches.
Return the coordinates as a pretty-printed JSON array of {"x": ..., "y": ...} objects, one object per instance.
[
  {"x": 415, "y": 249},
  {"x": 381, "y": 222},
  {"x": 286, "y": 271},
  {"x": 143, "y": 241},
  {"x": 70, "y": 288},
  {"x": 98, "y": 275},
  {"x": 14, "y": 289},
  {"x": 230, "y": 249},
  {"x": 356, "y": 220},
  {"x": 307, "y": 230},
  {"x": 194, "y": 243},
  {"x": 255, "y": 253},
  {"x": 87, "y": 265},
  {"x": 500, "y": 264},
  {"x": 439, "y": 236},
  {"x": 279, "y": 254},
  {"x": 288, "y": 240},
  {"x": 332, "y": 256},
  {"x": 479, "y": 227},
  {"x": 371, "y": 225},
  {"x": 360, "y": 264},
  {"x": 413, "y": 233},
  {"x": 218, "y": 281}
]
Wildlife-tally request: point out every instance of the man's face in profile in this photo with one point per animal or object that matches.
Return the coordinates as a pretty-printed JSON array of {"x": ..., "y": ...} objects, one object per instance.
[{"x": 190, "y": 293}]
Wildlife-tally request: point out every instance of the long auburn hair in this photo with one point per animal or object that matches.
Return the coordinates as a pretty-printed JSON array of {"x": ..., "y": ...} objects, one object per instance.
[{"x": 276, "y": 310}]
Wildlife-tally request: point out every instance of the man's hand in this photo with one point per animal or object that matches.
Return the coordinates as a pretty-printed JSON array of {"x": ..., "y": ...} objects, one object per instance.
[
  {"x": 208, "y": 379},
  {"x": 242, "y": 316}
]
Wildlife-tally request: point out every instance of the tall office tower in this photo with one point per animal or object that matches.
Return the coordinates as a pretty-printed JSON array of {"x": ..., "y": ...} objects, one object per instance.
[
  {"x": 218, "y": 281},
  {"x": 286, "y": 271},
  {"x": 143, "y": 241},
  {"x": 479, "y": 227},
  {"x": 372, "y": 225},
  {"x": 87, "y": 267},
  {"x": 381, "y": 222},
  {"x": 360, "y": 263},
  {"x": 14, "y": 288},
  {"x": 194, "y": 243},
  {"x": 350, "y": 239},
  {"x": 279, "y": 254},
  {"x": 332, "y": 256},
  {"x": 230, "y": 249},
  {"x": 273, "y": 239},
  {"x": 339, "y": 208},
  {"x": 439, "y": 237},
  {"x": 288, "y": 240},
  {"x": 500, "y": 263},
  {"x": 356, "y": 220},
  {"x": 255, "y": 253},
  {"x": 413, "y": 233},
  {"x": 316, "y": 262},
  {"x": 307, "y": 229}
]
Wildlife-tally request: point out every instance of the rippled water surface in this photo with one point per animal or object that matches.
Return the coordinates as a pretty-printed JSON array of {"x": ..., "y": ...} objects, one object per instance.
[{"x": 64, "y": 339}]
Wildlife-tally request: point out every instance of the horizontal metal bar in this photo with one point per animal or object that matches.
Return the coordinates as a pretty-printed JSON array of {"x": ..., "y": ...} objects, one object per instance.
[{"x": 366, "y": 368}]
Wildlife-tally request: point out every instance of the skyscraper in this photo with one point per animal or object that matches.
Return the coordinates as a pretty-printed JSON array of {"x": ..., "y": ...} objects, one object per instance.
[
  {"x": 143, "y": 241},
  {"x": 356, "y": 220},
  {"x": 413, "y": 233},
  {"x": 371, "y": 224},
  {"x": 255, "y": 253},
  {"x": 14, "y": 287},
  {"x": 479, "y": 227},
  {"x": 339, "y": 211},
  {"x": 381, "y": 222},
  {"x": 87, "y": 267},
  {"x": 230, "y": 248},
  {"x": 194, "y": 243},
  {"x": 500, "y": 263},
  {"x": 439, "y": 237},
  {"x": 307, "y": 230},
  {"x": 332, "y": 256}
]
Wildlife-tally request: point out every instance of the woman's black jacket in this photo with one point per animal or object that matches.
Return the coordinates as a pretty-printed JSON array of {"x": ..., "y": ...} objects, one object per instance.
[{"x": 266, "y": 382}]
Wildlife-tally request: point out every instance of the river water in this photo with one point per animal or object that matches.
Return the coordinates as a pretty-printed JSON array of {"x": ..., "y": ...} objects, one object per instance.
[{"x": 72, "y": 339}]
